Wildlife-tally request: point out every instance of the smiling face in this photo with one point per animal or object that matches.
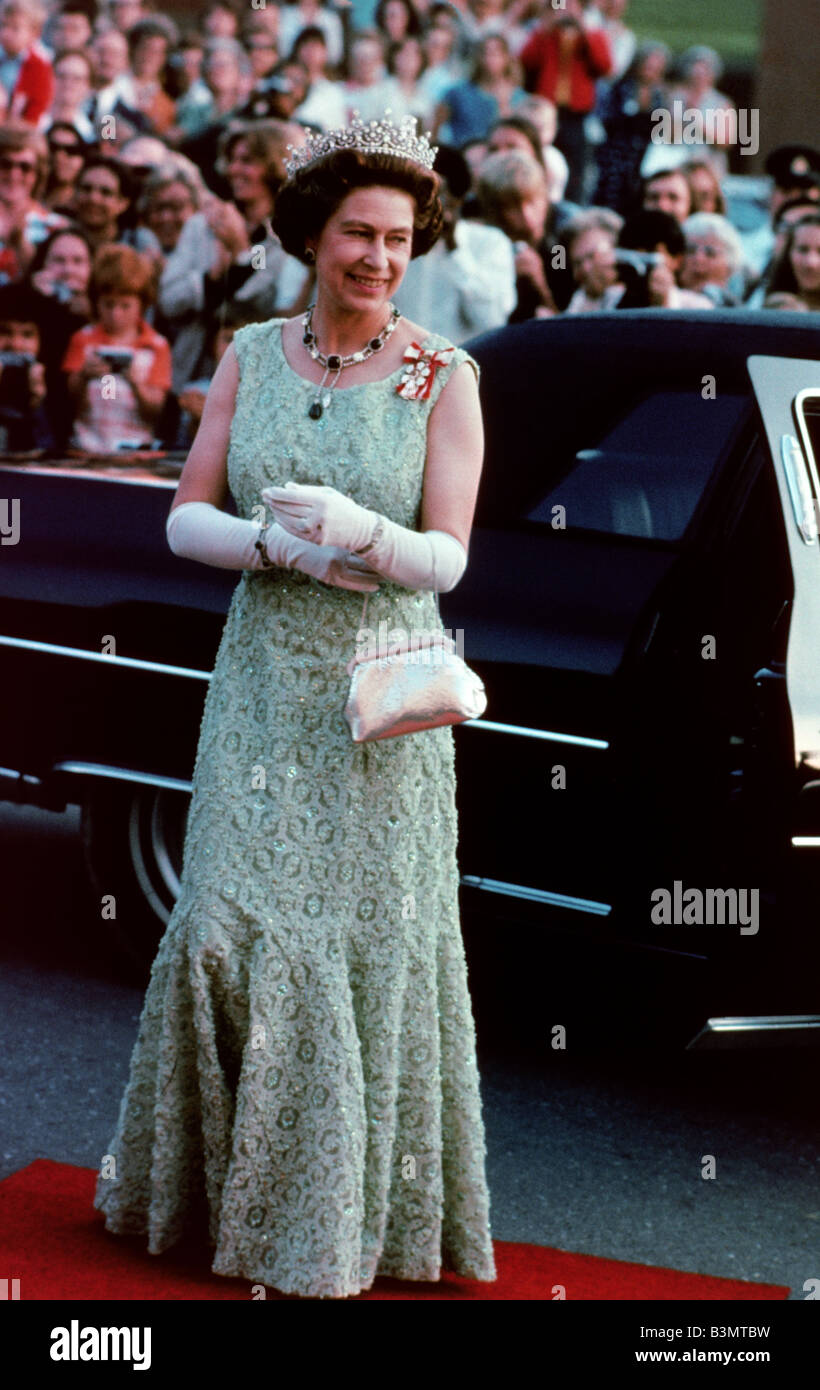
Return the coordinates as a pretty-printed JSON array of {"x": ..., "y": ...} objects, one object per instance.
[
  {"x": 71, "y": 31},
  {"x": 494, "y": 57},
  {"x": 170, "y": 208},
  {"x": 260, "y": 47},
  {"x": 706, "y": 263},
  {"x": 18, "y": 177},
  {"x": 109, "y": 55},
  {"x": 669, "y": 193},
  {"x": 396, "y": 21},
  {"x": 363, "y": 249},
  {"x": 523, "y": 216},
  {"x": 653, "y": 66},
  {"x": 17, "y": 336},
  {"x": 72, "y": 81},
  {"x": 438, "y": 45},
  {"x": 98, "y": 201},
  {"x": 408, "y": 61},
  {"x": 705, "y": 191},
  {"x": 149, "y": 57},
  {"x": 68, "y": 260},
  {"x": 366, "y": 61},
  {"x": 17, "y": 33},
  {"x": 805, "y": 259},
  {"x": 66, "y": 156},
  {"x": 245, "y": 174},
  {"x": 592, "y": 257}
]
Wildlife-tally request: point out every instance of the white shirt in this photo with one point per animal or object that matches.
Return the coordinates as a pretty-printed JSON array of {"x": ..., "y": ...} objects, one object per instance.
[
  {"x": 372, "y": 102},
  {"x": 326, "y": 105},
  {"x": 462, "y": 292},
  {"x": 582, "y": 303},
  {"x": 557, "y": 172}
]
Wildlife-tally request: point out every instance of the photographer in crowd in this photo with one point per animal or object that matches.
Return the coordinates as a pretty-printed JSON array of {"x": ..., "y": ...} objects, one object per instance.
[
  {"x": 651, "y": 250},
  {"x": 24, "y": 424}
]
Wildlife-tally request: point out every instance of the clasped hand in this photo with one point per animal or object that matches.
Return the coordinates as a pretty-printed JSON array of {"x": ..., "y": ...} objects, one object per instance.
[{"x": 321, "y": 515}]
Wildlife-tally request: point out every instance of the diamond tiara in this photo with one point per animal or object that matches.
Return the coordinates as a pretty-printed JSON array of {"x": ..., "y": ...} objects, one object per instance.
[{"x": 377, "y": 137}]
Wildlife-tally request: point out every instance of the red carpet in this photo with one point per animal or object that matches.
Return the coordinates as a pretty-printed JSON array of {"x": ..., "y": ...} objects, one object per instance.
[{"x": 53, "y": 1241}]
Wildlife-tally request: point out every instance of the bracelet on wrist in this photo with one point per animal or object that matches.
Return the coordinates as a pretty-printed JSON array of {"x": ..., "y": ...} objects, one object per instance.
[
  {"x": 261, "y": 544},
  {"x": 374, "y": 539}
]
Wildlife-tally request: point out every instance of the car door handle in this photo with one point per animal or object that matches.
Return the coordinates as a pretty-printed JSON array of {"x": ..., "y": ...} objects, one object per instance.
[{"x": 797, "y": 479}]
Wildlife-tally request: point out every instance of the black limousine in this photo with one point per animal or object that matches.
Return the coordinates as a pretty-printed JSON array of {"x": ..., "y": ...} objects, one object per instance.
[{"x": 640, "y": 804}]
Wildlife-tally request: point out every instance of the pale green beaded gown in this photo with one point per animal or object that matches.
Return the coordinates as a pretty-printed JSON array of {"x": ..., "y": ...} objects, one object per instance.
[{"x": 303, "y": 1089}]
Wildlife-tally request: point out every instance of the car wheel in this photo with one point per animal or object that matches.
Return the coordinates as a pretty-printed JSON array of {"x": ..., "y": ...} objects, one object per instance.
[{"x": 133, "y": 838}]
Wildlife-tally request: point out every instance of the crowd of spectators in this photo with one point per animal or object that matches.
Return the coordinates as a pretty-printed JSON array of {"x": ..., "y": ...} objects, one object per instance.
[{"x": 140, "y": 160}]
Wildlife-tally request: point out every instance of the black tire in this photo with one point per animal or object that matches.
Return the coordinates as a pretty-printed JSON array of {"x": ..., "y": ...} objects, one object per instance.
[{"x": 132, "y": 839}]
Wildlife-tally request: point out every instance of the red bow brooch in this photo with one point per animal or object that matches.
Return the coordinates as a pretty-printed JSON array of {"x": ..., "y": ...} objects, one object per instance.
[{"x": 418, "y": 376}]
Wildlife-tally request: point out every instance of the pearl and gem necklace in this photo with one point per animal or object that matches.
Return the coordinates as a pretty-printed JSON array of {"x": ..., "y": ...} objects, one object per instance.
[{"x": 334, "y": 362}]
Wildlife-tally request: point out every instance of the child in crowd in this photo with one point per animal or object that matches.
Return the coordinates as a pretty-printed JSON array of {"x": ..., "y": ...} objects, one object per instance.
[
  {"x": 192, "y": 396},
  {"x": 26, "y": 76},
  {"x": 119, "y": 367},
  {"x": 23, "y": 422}
]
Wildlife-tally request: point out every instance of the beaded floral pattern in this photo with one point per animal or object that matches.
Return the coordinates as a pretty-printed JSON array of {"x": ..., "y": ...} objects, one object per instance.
[{"x": 304, "y": 1088}]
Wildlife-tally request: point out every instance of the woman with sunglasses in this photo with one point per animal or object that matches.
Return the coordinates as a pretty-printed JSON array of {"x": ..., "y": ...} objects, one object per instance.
[
  {"x": 68, "y": 154},
  {"x": 24, "y": 220}
]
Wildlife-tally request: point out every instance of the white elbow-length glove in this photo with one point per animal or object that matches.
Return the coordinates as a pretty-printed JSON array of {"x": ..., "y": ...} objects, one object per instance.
[
  {"x": 200, "y": 531},
  {"x": 415, "y": 559}
]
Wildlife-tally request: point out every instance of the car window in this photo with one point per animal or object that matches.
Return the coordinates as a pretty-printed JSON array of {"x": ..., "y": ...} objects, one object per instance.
[{"x": 646, "y": 475}]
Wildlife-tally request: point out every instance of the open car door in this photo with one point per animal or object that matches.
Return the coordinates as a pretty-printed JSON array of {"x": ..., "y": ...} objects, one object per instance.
[{"x": 788, "y": 395}]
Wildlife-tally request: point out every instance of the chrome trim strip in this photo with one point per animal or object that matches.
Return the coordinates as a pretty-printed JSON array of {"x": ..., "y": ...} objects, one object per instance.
[
  {"x": 538, "y": 895},
  {"x": 121, "y": 774},
  {"x": 806, "y": 841},
  {"x": 80, "y": 652},
  {"x": 12, "y": 775},
  {"x": 548, "y": 734},
  {"x": 134, "y": 663},
  {"x": 74, "y": 470},
  {"x": 799, "y": 410},
  {"x": 721, "y": 1032}
]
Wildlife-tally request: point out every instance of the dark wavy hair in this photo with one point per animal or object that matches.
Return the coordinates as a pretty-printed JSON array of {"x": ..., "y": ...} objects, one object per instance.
[
  {"x": 306, "y": 202},
  {"x": 783, "y": 278}
]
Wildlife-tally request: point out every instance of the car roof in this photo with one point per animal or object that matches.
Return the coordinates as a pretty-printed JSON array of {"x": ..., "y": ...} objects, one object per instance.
[
  {"x": 552, "y": 386},
  {"x": 662, "y": 346}
]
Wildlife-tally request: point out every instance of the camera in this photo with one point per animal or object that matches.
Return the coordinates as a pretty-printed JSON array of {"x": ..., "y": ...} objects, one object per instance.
[
  {"x": 62, "y": 293},
  {"x": 632, "y": 268},
  {"x": 14, "y": 388},
  {"x": 16, "y": 359},
  {"x": 639, "y": 262},
  {"x": 118, "y": 358}
]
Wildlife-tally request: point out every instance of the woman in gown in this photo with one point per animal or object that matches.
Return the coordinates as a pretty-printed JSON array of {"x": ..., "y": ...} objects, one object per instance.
[{"x": 303, "y": 1092}]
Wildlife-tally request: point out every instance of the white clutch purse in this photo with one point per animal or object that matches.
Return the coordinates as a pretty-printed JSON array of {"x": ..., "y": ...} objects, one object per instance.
[{"x": 409, "y": 686}]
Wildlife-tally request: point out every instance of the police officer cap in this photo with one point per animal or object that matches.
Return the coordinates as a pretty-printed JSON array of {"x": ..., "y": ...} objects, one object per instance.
[{"x": 792, "y": 166}]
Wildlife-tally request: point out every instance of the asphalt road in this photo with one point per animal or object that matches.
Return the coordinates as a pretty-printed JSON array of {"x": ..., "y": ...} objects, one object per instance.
[{"x": 596, "y": 1152}]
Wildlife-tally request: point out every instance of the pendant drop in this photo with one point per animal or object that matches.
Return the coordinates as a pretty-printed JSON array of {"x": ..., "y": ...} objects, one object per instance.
[{"x": 315, "y": 411}]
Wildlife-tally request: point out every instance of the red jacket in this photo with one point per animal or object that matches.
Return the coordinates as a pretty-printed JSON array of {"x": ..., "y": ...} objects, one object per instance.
[
  {"x": 591, "y": 58},
  {"x": 34, "y": 89}
]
